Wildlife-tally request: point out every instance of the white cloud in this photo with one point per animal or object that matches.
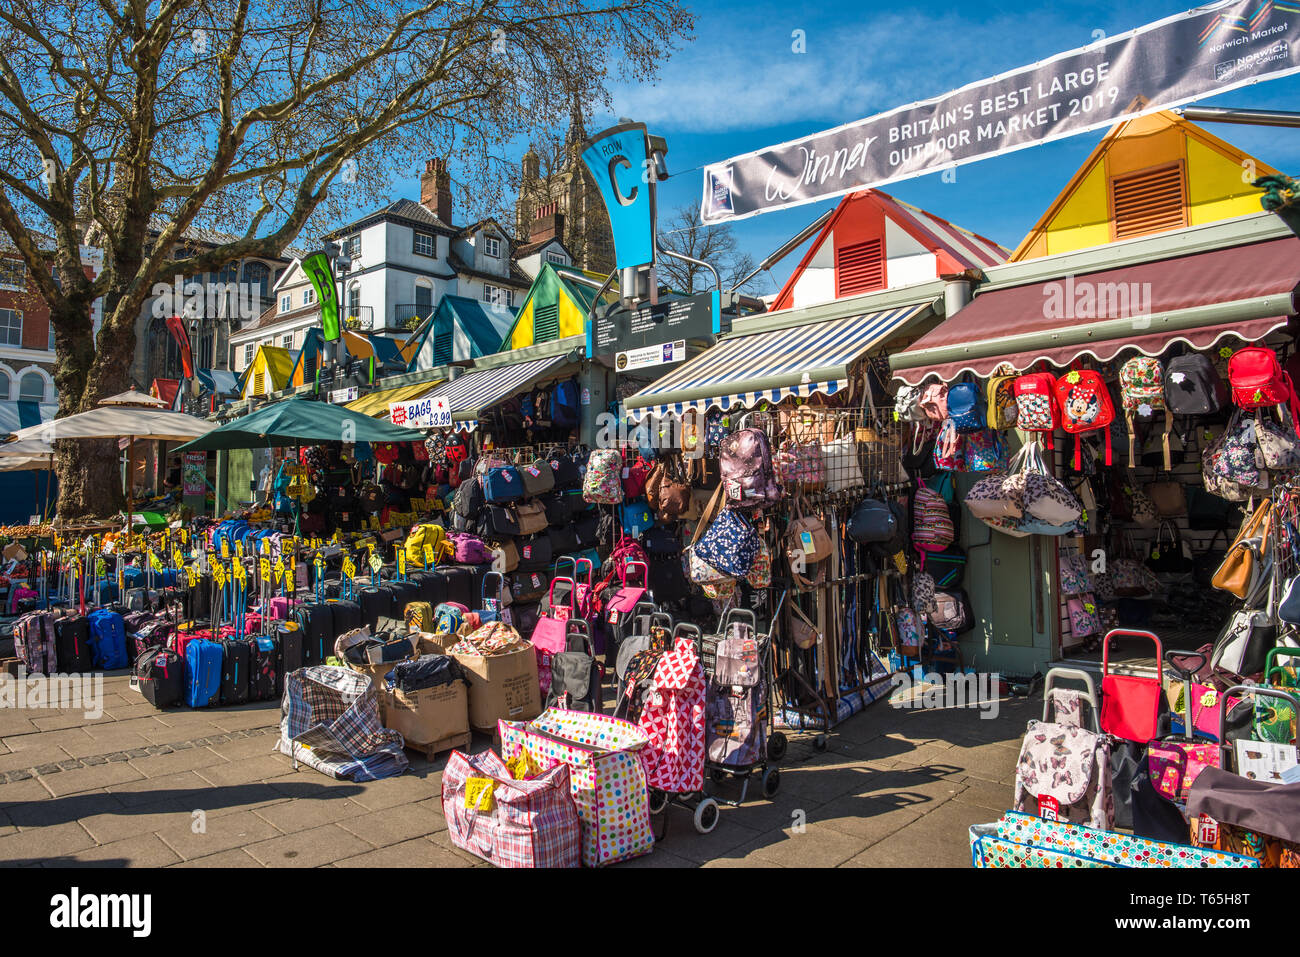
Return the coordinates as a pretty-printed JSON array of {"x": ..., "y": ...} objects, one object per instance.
[{"x": 724, "y": 82}]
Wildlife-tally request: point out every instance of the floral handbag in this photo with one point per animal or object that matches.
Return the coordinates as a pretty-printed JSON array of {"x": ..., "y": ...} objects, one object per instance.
[
  {"x": 908, "y": 630},
  {"x": 1083, "y": 616},
  {"x": 800, "y": 464},
  {"x": 730, "y": 544},
  {"x": 760, "y": 573},
  {"x": 949, "y": 453},
  {"x": 1074, "y": 575}
]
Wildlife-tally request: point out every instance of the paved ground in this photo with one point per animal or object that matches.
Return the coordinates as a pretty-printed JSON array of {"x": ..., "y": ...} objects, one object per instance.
[{"x": 184, "y": 788}]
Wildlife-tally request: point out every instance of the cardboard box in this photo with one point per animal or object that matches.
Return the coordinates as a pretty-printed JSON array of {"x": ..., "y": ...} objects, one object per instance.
[
  {"x": 502, "y": 686},
  {"x": 378, "y": 673},
  {"x": 429, "y": 715},
  {"x": 427, "y": 643}
]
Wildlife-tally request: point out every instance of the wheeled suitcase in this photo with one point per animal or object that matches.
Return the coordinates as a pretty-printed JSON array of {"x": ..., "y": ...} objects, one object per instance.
[
  {"x": 460, "y": 585},
  {"x": 289, "y": 637},
  {"x": 107, "y": 640},
  {"x": 72, "y": 645},
  {"x": 160, "y": 677},
  {"x": 263, "y": 669},
  {"x": 403, "y": 594},
  {"x": 234, "y": 671},
  {"x": 317, "y": 625},
  {"x": 203, "y": 661},
  {"x": 375, "y": 603},
  {"x": 432, "y": 585},
  {"x": 347, "y": 616}
]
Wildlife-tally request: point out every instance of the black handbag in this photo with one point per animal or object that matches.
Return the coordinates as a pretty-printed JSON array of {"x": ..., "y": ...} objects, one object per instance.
[
  {"x": 535, "y": 552},
  {"x": 1205, "y": 564},
  {"x": 1167, "y": 553},
  {"x": 502, "y": 520},
  {"x": 918, "y": 460},
  {"x": 662, "y": 540}
]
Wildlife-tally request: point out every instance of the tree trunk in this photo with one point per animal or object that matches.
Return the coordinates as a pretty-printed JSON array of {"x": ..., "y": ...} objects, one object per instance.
[{"x": 90, "y": 477}]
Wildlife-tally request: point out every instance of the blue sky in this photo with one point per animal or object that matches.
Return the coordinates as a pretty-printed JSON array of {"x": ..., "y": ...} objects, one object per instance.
[{"x": 740, "y": 86}]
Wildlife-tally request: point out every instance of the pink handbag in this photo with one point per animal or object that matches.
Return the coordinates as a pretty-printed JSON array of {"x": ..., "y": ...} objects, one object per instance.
[
  {"x": 1174, "y": 765},
  {"x": 550, "y": 636}
]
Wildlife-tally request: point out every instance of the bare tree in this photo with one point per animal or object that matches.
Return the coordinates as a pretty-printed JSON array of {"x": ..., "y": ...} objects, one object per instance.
[
  {"x": 685, "y": 233},
  {"x": 130, "y": 125}
]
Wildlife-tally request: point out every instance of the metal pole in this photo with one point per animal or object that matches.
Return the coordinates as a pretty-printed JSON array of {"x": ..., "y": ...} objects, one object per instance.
[{"x": 1222, "y": 114}]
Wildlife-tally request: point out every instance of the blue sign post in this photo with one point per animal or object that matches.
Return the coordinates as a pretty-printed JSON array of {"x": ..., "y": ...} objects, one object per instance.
[{"x": 617, "y": 160}]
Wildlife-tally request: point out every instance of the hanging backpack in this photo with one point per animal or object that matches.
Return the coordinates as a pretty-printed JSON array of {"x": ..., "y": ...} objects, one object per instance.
[
  {"x": 1142, "y": 391},
  {"x": 966, "y": 407},
  {"x": 1084, "y": 404},
  {"x": 603, "y": 483},
  {"x": 748, "y": 478},
  {"x": 1257, "y": 380},
  {"x": 934, "y": 401},
  {"x": 1192, "y": 386},
  {"x": 907, "y": 405},
  {"x": 1001, "y": 402},
  {"x": 1036, "y": 404},
  {"x": 932, "y": 528},
  {"x": 565, "y": 404}
]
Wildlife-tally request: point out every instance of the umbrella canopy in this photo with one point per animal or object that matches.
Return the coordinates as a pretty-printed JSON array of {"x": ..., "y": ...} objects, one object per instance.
[
  {"x": 108, "y": 422},
  {"x": 134, "y": 397},
  {"x": 299, "y": 422}
]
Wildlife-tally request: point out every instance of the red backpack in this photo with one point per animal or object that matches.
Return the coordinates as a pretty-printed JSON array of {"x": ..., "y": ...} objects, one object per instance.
[
  {"x": 1083, "y": 402},
  {"x": 1036, "y": 404},
  {"x": 1257, "y": 379}
]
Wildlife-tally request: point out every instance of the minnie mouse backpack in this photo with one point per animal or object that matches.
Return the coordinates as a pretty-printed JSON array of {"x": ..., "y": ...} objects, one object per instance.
[{"x": 1084, "y": 404}]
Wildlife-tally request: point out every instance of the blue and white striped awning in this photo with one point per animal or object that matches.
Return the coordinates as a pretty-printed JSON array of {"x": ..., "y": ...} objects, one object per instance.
[
  {"x": 771, "y": 366},
  {"x": 474, "y": 392}
]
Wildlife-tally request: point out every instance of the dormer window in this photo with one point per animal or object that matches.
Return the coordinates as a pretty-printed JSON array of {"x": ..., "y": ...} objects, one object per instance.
[
  {"x": 423, "y": 244},
  {"x": 286, "y": 302},
  {"x": 492, "y": 247},
  {"x": 556, "y": 259}
]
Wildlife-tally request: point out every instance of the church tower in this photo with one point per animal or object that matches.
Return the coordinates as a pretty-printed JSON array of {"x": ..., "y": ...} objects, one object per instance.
[{"x": 557, "y": 182}]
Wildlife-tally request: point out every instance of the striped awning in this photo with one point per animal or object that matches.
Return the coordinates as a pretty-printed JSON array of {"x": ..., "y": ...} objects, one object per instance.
[
  {"x": 771, "y": 365},
  {"x": 474, "y": 392},
  {"x": 376, "y": 403}
]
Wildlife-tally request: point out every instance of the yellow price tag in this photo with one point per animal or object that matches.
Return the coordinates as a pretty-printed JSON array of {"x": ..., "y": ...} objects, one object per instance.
[
  {"x": 177, "y": 558},
  {"x": 401, "y": 562},
  {"x": 429, "y": 559},
  {"x": 478, "y": 794},
  {"x": 376, "y": 563},
  {"x": 279, "y": 568},
  {"x": 289, "y": 582},
  {"x": 219, "y": 574},
  {"x": 155, "y": 562},
  {"x": 265, "y": 567},
  {"x": 225, "y": 549},
  {"x": 349, "y": 569}
]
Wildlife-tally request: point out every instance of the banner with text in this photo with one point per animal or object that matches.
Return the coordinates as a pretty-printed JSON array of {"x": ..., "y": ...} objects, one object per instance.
[
  {"x": 431, "y": 412},
  {"x": 1186, "y": 57}
]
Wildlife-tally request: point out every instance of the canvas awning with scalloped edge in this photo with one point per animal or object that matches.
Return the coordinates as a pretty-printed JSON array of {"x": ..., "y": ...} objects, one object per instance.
[{"x": 1242, "y": 292}]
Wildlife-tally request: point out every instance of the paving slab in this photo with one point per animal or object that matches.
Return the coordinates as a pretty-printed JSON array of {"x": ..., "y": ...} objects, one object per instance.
[{"x": 311, "y": 848}]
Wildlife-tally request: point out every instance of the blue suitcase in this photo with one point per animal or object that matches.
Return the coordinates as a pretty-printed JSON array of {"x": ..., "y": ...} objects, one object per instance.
[
  {"x": 108, "y": 640},
  {"x": 203, "y": 660}
]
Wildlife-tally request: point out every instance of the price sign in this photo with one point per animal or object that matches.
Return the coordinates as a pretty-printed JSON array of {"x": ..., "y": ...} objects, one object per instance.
[
  {"x": 374, "y": 522},
  {"x": 225, "y": 550},
  {"x": 177, "y": 558},
  {"x": 349, "y": 569},
  {"x": 264, "y": 567},
  {"x": 239, "y": 550},
  {"x": 193, "y": 576},
  {"x": 279, "y": 568},
  {"x": 478, "y": 794},
  {"x": 428, "y": 556},
  {"x": 219, "y": 574},
  {"x": 289, "y": 582},
  {"x": 376, "y": 563},
  {"x": 155, "y": 562},
  {"x": 401, "y": 562}
]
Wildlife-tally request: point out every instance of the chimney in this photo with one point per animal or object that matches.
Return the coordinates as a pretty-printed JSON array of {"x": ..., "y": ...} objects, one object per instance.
[
  {"x": 435, "y": 189},
  {"x": 548, "y": 223}
]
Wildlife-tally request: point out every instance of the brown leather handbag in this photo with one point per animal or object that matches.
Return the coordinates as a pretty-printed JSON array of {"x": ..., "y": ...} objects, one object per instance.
[
  {"x": 667, "y": 492},
  {"x": 807, "y": 536},
  {"x": 531, "y": 517},
  {"x": 1239, "y": 572}
]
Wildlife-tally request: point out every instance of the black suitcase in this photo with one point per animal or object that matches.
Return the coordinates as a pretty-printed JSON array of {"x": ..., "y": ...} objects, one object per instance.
[
  {"x": 403, "y": 594},
  {"x": 376, "y": 603},
  {"x": 432, "y": 585},
  {"x": 234, "y": 670},
  {"x": 317, "y": 624},
  {"x": 477, "y": 574},
  {"x": 160, "y": 676},
  {"x": 72, "y": 645},
  {"x": 199, "y": 602},
  {"x": 263, "y": 668},
  {"x": 288, "y": 637},
  {"x": 347, "y": 616},
  {"x": 460, "y": 585}
]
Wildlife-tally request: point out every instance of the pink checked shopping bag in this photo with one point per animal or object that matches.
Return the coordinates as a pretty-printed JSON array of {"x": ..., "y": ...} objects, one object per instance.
[
  {"x": 510, "y": 823},
  {"x": 605, "y": 774},
  {"x": 673, "y": 719}
]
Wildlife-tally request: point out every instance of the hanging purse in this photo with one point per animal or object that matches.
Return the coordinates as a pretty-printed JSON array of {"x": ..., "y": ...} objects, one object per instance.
[
  {"x": 843, "y": 467},
  {"x": 806, "y": 536},
  {"x": 1168, "y": 498},
  {"x": 668, "y": 495},
  {"x": 1167, "y": 553},
  {"x": 1239, "y": 573},
  {"x": 802, "y": 631}
]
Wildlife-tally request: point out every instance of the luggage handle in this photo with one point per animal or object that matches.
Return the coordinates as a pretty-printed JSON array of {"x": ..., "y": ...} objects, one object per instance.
[
  {"x": 738, "y": 613},
  {"x": 1076, "y": 675},
  {"x": 1185, "y": 675},
  {"x": 591, "y": 570},
  {"x": 501, "y": 586},
  {"x": 562, "y": 561},
  {"x": 1115, "y": 633},
  {"x": 1225, "y": 747},
  {"x": 1273, "y": 653},
  {"x": 550, "y": 594}
]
